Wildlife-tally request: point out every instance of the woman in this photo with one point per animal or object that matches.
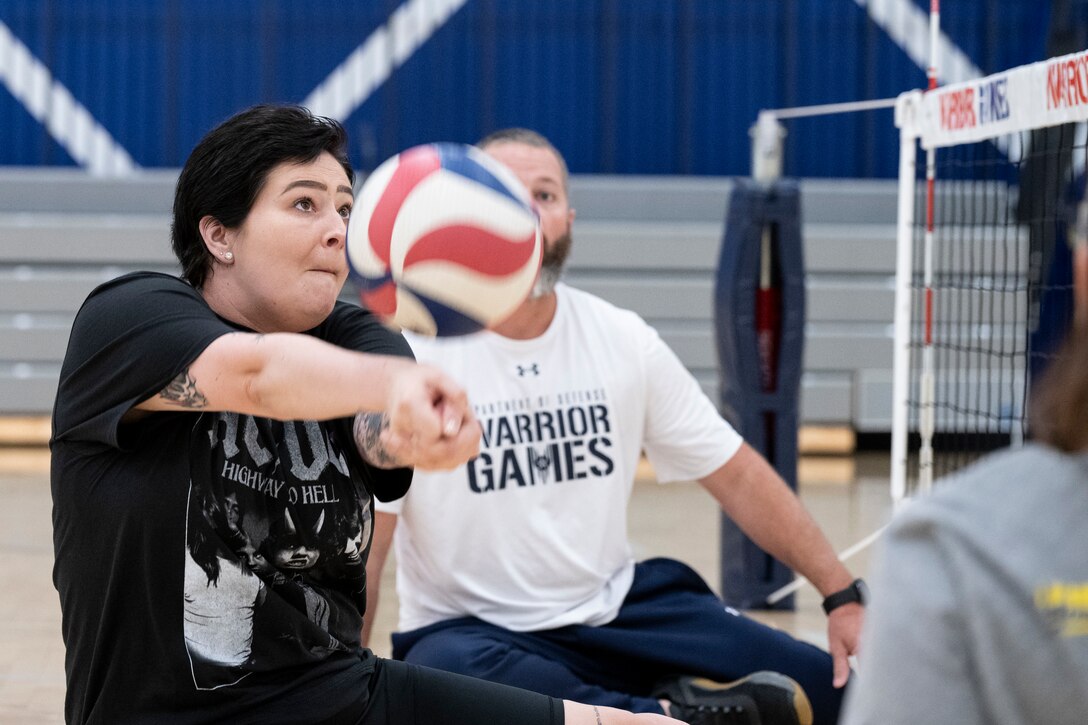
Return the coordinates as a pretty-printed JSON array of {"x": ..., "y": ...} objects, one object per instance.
[{"x": 217, "y": 441}]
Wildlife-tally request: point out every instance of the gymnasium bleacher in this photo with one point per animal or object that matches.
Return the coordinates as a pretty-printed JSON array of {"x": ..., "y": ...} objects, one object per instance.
[{"x": 648, "y": 243}]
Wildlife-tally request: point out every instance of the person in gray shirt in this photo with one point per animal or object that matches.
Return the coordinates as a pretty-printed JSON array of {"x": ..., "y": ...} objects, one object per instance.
[{"x": 979, "y": 609}]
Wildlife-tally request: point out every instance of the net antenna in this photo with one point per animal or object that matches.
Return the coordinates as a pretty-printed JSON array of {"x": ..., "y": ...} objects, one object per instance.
[
  {"x": 970, "y": 309},
  {"x": 926, "y": 414}
]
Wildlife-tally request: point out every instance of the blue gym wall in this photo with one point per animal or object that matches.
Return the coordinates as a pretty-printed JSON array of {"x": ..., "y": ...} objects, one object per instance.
[{"x": 621, "y": 86}]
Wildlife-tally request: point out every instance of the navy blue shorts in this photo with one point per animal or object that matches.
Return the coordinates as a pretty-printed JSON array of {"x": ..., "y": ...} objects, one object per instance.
[{"x": 670, "y": 623}]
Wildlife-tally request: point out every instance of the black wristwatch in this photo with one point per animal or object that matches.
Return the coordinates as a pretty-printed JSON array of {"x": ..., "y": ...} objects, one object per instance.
[{"x": 856, "y": 592}]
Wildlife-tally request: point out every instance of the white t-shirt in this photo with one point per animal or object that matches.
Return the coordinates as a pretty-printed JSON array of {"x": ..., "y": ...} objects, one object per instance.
[{"x": 532, "y": 534}]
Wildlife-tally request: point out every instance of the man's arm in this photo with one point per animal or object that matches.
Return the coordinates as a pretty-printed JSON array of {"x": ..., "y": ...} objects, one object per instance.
[
  {"x": 384, "y": 527},
  {"x": 763, "y": 506}
]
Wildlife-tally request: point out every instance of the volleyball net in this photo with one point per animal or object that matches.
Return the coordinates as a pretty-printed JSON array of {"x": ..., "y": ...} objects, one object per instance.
[{"x": 983, "y": 282}]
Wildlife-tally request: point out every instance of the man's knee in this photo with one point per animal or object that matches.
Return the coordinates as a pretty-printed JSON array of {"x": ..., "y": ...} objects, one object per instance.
[{"x": 463, "y": 653}]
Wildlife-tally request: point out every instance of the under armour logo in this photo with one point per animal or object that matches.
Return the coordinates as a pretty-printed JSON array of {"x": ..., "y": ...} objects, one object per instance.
[{"x": 524, "y": 370}]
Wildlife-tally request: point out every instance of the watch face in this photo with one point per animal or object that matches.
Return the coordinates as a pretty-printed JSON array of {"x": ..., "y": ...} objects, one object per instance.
[{"x": 862, "y": 589}]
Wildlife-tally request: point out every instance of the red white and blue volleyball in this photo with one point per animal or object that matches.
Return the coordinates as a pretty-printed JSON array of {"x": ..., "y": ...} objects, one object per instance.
[{"x": 443, "y": 240}]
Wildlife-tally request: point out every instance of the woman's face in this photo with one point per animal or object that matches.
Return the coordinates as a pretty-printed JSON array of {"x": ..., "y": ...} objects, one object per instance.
[{"x": 289, "y": 261}]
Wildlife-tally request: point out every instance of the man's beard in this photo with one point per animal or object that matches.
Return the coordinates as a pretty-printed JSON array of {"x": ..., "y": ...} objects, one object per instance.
[{"x": 551, "y": 266}]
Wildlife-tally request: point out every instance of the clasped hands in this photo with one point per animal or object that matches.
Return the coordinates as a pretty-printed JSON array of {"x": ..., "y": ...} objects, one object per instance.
[{"x": 430, "y": 423}]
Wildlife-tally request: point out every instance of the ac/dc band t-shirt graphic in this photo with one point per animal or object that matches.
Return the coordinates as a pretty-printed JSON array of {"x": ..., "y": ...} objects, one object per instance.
[
  {"x": 273, "y": 518},
  {"x": 207, "y": 563}
]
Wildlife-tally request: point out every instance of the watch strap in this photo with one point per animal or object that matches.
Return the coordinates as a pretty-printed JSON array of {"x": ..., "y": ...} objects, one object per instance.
[{"x": 854, "y": 593}]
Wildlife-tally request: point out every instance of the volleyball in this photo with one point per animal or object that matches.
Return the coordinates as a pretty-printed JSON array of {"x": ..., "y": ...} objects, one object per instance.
[{"x": 443, "y": 241}]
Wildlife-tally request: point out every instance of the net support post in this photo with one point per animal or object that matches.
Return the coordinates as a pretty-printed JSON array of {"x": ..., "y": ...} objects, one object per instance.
[
  {"x": 759, "y": 317},
  {"x": 907, "y": 116}
]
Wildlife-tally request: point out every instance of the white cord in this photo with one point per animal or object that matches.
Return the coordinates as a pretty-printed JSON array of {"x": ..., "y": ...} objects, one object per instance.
[{"x": 800, "y": 581}]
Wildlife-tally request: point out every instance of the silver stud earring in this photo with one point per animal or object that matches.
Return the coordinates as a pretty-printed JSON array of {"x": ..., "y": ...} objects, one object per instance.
[{"x": 228, "y": 256}]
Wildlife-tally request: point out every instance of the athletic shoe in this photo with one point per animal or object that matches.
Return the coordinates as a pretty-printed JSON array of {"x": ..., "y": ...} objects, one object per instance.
[{"x": 761, "y": 698}]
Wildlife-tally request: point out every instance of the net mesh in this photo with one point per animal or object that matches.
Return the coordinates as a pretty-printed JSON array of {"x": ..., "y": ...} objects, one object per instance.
[{"x": 1001, "y": 285}]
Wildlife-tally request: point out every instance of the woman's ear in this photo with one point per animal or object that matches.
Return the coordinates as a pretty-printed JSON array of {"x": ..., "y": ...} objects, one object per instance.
[{"x": 217, "y": 238}]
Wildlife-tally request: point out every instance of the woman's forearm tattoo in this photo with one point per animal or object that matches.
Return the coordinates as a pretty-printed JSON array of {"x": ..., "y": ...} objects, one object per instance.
[
  {"x": 368, "y": 437},
  {"x": 182, "y": 391}
]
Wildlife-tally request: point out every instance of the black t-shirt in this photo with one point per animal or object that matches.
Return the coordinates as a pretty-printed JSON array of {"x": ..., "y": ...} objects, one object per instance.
[{"x": 210, "y": 565}]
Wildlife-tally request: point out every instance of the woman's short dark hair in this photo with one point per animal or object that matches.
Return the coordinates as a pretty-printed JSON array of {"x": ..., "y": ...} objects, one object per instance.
[
  {"x": 229, "y": 166},
  {"x": 1060, "y": 401}
]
